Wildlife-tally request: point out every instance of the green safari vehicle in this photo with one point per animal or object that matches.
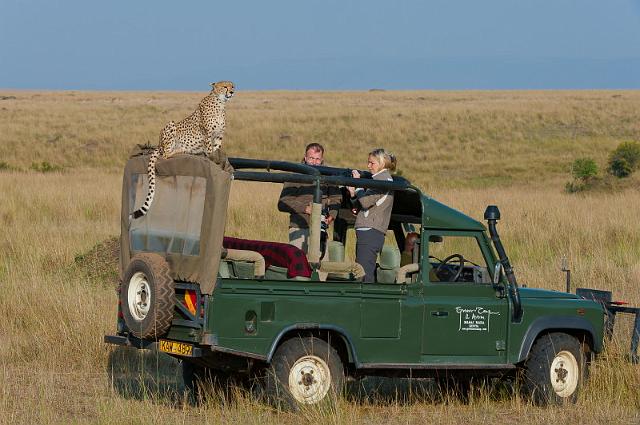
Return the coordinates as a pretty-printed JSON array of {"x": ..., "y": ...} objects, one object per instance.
[{"x": 307, "y": 324}]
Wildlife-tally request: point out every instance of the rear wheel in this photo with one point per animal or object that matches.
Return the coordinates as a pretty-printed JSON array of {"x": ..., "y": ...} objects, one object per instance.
[
  {"x": 304, "y": 370},
  {"x": 555, "y": 369},
  {"x": 147, "y": 296}
]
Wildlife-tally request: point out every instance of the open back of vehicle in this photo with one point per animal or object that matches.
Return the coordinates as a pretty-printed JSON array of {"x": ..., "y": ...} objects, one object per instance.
[{"x": 186, "y": 221}]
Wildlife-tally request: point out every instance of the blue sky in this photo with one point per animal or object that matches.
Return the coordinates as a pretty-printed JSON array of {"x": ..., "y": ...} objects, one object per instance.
[{"x": 324, "y": 45}]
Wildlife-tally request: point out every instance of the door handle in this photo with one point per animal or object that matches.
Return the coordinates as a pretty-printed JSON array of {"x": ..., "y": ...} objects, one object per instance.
[{"x": 440, "y": 313}]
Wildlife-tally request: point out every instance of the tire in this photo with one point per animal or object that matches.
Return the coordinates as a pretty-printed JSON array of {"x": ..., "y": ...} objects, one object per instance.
[
  {"x": 147, "y": 296},
  {"x": 555, "y": 370},
  {"x": 304, "y": 371}
]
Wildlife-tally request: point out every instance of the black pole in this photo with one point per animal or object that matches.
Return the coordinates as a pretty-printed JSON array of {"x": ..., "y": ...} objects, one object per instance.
[{"x": 492, "y": 215}]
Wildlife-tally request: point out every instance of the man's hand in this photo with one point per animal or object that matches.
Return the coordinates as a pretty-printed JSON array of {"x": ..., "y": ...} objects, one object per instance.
[{"x": 307, "y": 210}]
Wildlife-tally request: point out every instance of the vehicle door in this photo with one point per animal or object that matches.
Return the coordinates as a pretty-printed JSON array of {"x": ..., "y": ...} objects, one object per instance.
[{"x": 465, "y": 316}]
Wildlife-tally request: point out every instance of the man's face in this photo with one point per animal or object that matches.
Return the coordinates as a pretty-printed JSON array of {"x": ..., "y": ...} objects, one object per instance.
[{"x": 313, "y": 157}]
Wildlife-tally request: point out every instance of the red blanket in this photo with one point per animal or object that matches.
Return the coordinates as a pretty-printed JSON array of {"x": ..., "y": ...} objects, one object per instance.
[{"x": 276, "y": 254}]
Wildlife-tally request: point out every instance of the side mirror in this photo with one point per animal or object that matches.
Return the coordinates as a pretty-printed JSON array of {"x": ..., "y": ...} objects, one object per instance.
[{"x": 496, "y": 273}]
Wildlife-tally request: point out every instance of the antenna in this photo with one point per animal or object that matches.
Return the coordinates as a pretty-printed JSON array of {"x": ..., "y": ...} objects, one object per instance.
[{"x": 564, "y": 266}]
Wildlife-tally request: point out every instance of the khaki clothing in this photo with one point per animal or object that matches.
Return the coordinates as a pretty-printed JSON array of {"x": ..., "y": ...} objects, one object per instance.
[
  {"x": 376, "y": 206},
  {"x": 250, "y": 256},
  {"x": 300, "y": 239},
  {"x": 406, "y": 258},
  {"x": 295, "y": 197}
]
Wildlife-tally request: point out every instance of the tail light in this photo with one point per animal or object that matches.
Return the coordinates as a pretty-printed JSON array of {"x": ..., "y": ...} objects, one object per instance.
[{"x": 190, "y": 300}]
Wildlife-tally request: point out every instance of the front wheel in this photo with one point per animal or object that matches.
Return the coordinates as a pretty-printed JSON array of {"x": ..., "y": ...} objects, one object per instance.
[
  {"x": 555, "y": 369},
  {"x": 304, "y": 370}
]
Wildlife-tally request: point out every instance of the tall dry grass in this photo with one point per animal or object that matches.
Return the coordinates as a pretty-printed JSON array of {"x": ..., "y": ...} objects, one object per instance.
[
  {"x": 442, "y": 139},
  {"x": 54, "y": 366}
]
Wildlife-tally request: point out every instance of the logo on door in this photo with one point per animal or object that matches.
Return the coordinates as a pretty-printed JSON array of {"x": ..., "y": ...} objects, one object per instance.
[{"x": 475, "y": 318}]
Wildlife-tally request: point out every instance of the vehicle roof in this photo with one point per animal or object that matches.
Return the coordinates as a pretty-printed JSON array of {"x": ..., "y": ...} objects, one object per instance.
[
  {"x": 440, "y": 216},
  {"x": 409, "y": 201}
]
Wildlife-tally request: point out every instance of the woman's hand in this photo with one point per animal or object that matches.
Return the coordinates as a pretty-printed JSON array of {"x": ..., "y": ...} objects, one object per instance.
[{"x": 352, "y": 190}]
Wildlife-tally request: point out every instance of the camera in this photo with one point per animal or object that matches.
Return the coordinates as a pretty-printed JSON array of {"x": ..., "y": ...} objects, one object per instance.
[
  {"x": 324, "y": 229},
  {"x": 324, "y": 220}
]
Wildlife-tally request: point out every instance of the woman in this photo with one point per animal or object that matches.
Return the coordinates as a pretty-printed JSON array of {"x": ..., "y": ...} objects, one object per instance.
[{"x": 373, "y": 218}]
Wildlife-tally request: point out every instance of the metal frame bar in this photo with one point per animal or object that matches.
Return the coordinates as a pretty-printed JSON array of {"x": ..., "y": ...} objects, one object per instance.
[
  {"x": 302, "y": 173},
  {"x": 612, "y": 310}
]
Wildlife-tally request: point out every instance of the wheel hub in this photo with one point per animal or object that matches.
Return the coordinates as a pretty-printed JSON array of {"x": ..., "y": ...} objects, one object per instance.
[
  {"x": 309, "y": 379},
  {"x": 561, "y": 373},
  {"x": 564, "y": 373},
  {"x": 139, "y": 296}
]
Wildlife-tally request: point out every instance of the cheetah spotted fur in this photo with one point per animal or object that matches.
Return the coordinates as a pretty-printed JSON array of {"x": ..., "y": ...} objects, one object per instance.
[{"x": 200, "y": 132}]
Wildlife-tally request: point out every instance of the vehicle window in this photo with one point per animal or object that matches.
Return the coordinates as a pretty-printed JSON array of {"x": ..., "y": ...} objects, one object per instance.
[
  {"x": 456, "y": 259},
  {"x": 173, "y": 224}
]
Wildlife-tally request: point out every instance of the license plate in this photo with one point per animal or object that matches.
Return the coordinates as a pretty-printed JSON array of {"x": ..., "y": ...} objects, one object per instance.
[{"x": 179, "y": 348}]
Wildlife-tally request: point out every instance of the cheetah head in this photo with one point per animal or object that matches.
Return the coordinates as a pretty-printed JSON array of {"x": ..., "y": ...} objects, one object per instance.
[{"x": 223, "y": 90}]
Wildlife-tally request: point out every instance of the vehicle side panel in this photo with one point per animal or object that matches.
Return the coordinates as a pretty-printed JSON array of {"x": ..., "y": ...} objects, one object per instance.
[
  {"x": 382, "y": 321},
  {"x": 575, "y": 316}
]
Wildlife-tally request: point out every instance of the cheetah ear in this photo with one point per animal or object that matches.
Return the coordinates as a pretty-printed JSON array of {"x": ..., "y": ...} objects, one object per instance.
[{"x": 213, "y": 85}]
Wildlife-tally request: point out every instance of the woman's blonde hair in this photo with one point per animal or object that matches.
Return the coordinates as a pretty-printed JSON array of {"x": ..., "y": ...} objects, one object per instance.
[{"x": 384, "y": 158}]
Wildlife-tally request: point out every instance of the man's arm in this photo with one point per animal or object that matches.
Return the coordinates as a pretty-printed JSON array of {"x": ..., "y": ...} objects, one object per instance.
[
  {"x": 333, "y": 201},
  {"x": 293, "y": 200}
]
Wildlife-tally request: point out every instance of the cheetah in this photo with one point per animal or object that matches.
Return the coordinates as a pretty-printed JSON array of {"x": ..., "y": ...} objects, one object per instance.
[{"x": 200, "y": 132}]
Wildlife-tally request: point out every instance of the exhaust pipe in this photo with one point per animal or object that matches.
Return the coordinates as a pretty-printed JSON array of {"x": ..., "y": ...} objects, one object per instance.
[{"x": 492, "y": 215}]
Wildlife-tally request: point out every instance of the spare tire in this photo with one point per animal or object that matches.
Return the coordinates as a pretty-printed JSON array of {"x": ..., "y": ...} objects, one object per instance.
[{"x": 147, "y": 296}]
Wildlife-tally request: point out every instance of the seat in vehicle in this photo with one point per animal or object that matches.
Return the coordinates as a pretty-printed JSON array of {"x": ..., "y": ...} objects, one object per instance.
[{"x": 389, "y": 264}]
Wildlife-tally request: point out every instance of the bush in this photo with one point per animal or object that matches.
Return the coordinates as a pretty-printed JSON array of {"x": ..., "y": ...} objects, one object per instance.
[
  {"x": 624, "y": 160},
  {"x": 619, "y": 167},
  {"x": 585, "y": 175},
  {"x": 45, "y": 167},
  {"x": 584, "y": 169},
  {"x": 5, "y": 166}
]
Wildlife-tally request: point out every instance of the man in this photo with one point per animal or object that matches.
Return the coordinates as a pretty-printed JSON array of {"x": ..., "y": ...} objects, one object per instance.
[{"x": 296, "y": 199}]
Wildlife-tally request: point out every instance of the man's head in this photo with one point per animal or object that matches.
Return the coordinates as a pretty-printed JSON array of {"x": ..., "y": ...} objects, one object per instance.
[
  {"x": 314, "y": 154},
  {"x": 410, "y": 241}
]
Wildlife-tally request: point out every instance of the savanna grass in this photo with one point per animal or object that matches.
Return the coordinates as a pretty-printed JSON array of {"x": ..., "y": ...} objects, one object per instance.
[{"x": 53, "y": 364}]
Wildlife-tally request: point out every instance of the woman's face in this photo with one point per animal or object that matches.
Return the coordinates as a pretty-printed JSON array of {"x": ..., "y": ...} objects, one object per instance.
[{"x": 373, "y": 165}]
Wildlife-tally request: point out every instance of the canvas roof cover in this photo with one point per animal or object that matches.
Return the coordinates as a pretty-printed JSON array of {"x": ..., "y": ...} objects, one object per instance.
[{"x": 186, "y": 221}]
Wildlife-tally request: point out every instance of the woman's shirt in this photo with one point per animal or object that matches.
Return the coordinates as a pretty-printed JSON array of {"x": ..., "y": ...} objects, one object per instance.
[{"x": 376, "y": 205}]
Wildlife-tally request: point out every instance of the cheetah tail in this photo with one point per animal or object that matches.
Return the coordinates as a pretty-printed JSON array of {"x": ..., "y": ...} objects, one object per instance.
[{"x": 151, "y": 170}]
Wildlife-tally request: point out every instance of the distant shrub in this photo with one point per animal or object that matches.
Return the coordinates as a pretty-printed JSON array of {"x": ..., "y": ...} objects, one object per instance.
[
  {"x": 624, "y": 160},
  {"x": 585, "y": 175},
  {"x": 45, "y": 167},
  {"x": 5, "y": 166},
  {"x": 619, "y": 167},
  {"x": 584, "y": 169}
]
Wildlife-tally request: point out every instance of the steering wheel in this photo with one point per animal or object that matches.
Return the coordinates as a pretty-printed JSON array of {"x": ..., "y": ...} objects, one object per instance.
[{"x": 459, "y": 265}]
